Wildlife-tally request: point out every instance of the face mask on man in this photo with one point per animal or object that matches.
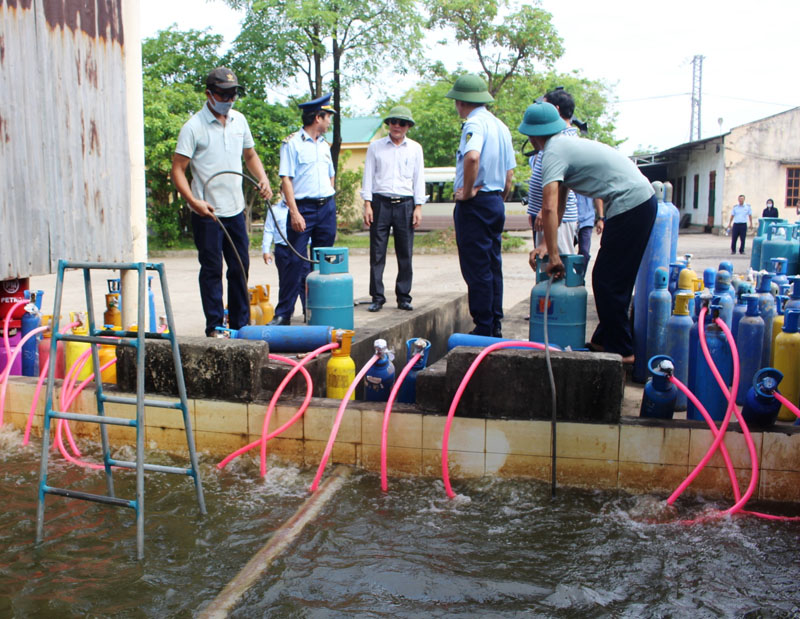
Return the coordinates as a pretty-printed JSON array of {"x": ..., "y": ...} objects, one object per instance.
[{"x": 220, "y": 107}]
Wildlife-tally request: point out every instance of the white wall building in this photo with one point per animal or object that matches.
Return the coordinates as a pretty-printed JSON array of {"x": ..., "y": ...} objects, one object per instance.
[{"x": 760, "y": 159}]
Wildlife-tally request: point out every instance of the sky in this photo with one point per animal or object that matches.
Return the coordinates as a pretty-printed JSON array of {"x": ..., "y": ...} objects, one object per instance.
[{"x": 642, "y": 49}]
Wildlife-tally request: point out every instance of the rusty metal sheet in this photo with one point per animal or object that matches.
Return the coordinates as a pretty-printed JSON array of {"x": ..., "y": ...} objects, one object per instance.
[{"x": 65, "y": 178}]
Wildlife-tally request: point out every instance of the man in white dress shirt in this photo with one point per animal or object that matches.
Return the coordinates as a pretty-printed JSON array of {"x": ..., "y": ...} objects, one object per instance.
[{"x": 393, "y": 189}]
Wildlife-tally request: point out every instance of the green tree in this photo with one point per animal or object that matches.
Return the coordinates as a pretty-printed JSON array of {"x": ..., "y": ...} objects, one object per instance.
[
  {"x": 508, "y": 40},
  {"x": 287, "y": 39}
]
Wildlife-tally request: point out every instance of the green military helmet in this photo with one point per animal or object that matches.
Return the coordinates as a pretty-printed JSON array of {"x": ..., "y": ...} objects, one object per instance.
[
  {"x": 470, "y": 88},
  {"x": 541, "y": 118},
  {"x": 400, "y": 112}
]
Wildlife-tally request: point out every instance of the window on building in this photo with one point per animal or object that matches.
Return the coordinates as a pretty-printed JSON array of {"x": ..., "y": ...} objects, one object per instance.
[
  {"x": 792, "y": 186},
  {"x": 696, "y": 201}
]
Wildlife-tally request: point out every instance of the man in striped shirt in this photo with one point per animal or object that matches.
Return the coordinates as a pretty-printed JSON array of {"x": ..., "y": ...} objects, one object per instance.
[{"x": 568, "y": 229}]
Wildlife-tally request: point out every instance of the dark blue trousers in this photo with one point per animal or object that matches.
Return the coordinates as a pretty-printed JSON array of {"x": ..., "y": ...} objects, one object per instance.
[
  {"x": 396, "y": 216},
  {"x": 479, "y": 225},
  {"x": 321, "y": 230},
  {"x": 739, "y": 231},
  {"x": 622, "y": 246},
  {"x": 212, "y": 247}
]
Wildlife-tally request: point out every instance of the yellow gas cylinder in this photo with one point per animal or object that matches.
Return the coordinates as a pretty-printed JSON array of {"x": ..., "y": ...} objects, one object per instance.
[
  {"x": 256, "y": 316},
  {"x": 112, "y": 315},
  {"x": 267, "y": 311},
  {"x": 341, "y": 370},
  {"x": 787, "y": 360},
  {"x": 777, "y": 325},
  {"x": 73, "y": 350},
  {"x": 106, "y": 353}
]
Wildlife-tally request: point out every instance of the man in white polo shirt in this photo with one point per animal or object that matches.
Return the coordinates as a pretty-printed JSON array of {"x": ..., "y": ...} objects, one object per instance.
[
  {"x": 393, "y": 188},
  {"x": 214, "y": 140},
  {"x": 741, "y": 215}
]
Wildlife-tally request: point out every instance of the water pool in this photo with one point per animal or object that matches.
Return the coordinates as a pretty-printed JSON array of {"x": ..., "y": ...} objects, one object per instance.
[{"x": 500, "y": 549}]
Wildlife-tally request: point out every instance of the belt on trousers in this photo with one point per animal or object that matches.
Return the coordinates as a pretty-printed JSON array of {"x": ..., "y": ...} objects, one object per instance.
[
  {"x": 393, "y": 200},
  {"x": 314, "y": 201}
]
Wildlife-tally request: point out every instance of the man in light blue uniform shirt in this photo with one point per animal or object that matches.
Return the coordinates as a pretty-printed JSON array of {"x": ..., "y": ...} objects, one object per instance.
[
  {"x": 485, "y": 163},
  {"x": 214, "y": 140},
  {"x": 307, "y": 184},
  {"x": 741, "y": 215}
]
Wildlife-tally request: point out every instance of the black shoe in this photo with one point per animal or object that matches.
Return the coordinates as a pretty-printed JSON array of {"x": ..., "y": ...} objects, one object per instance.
[
  {"x": 497, "y": 332},
  {"x": 375, "y": 306},
  {"x": 279, "y": 321},
  {"x": 404, "y": 305},
  {"x": 741, "y": 253}
]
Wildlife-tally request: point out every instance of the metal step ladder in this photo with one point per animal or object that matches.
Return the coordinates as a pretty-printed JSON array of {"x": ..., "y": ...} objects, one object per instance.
[{"x": 136, "y": 339}]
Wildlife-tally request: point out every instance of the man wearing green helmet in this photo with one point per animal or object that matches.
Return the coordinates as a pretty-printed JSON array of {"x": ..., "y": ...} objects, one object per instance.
[
  {"x": 393, "y": 188},
  {"x": 598, "y": 171},
  {"x": 485, "y": 163}
]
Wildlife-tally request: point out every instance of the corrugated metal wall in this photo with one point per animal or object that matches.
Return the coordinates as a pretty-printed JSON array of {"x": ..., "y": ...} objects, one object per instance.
[{"x": 64, "y": 153}]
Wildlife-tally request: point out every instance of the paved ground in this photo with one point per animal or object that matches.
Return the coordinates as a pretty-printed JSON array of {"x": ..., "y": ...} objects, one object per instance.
[{"x": 434, "y": 274}]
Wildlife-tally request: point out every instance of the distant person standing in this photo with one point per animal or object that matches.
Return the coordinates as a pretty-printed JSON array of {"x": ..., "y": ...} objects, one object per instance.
[
  {"x": 485, "y": 163},
  {"x": 214, "y": 140},
  {"x": 307, "y": 184},
  {"x": 393, "y": 189},
  {"x": 770, "y": 210},
  {"x": 741, "y": 215}
]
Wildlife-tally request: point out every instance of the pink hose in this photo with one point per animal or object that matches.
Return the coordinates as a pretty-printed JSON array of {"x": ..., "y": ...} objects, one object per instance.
[
  {"x": 284, "y": 427},
  {"x": 713, "y": 427},
  {"x": 39, "y": 384},
  {"x": 6, "y": 343},
  {"x": 7, "y": 370},
  {"x": 457, "y": 398},
  {"x": 339, "y": 415},
  {"x": 726, "y": 420},
  {"x": 279, "y": 391},
  {"x": 388, "y": 411},
  {"x": 787, "y": 403}
]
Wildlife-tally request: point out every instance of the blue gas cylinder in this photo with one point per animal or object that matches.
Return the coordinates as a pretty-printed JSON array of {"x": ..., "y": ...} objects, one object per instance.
[
  {"x": 676, "y": 220},
  {"x": 566, "y": 312},
  {"x": 766, "y": 309},
  {"x": 778, "y": 268},
  {"x": 701, "y": 299},
  {"x": 763, "y": 225},
  {"x": 706, "y": 388},
  {"x": 777, "y": 244},
  {"x": 379, "y": 379},
  {"x": 722, "y": 289},
  {"x": 30, "y": 349},
  {"x": 727, "y": 265},
  {"x": 285, "y": 338},
  {"x": 675, "y": 269},
  {"x": 658, "y": 400},
  {"x": 408, "y": 390},
  {"x": 760, "y": 409},
  {"x": 659, "y": 307},
  {"x": 657, "y": 254},
  {"x": 677, "y": 349},
  {"x": 740, "y": 309},
  {"x": 482, "y": 341},
  {"x": 329, "y": 290},
  {"x": 794, "y": 294},
  {"x": 709, "y": 277},
  {"x": 749, "y": 342},
  {"x": 793, "y": 266}
]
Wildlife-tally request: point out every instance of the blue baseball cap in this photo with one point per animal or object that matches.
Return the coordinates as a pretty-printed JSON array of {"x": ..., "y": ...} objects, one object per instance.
[{"x": 322, "y": 103}]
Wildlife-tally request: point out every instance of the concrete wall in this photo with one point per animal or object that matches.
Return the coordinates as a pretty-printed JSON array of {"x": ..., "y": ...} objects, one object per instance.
[
  {"x": 638, "y": 456},
  {"x": 701, "y": 161}
]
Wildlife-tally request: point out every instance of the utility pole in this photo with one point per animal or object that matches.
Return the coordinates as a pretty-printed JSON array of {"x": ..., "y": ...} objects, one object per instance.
[{"x": 697, "y": 97}]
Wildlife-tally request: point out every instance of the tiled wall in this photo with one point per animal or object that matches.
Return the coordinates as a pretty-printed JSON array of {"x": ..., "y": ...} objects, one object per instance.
[{"x": 636, "y": 458}]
